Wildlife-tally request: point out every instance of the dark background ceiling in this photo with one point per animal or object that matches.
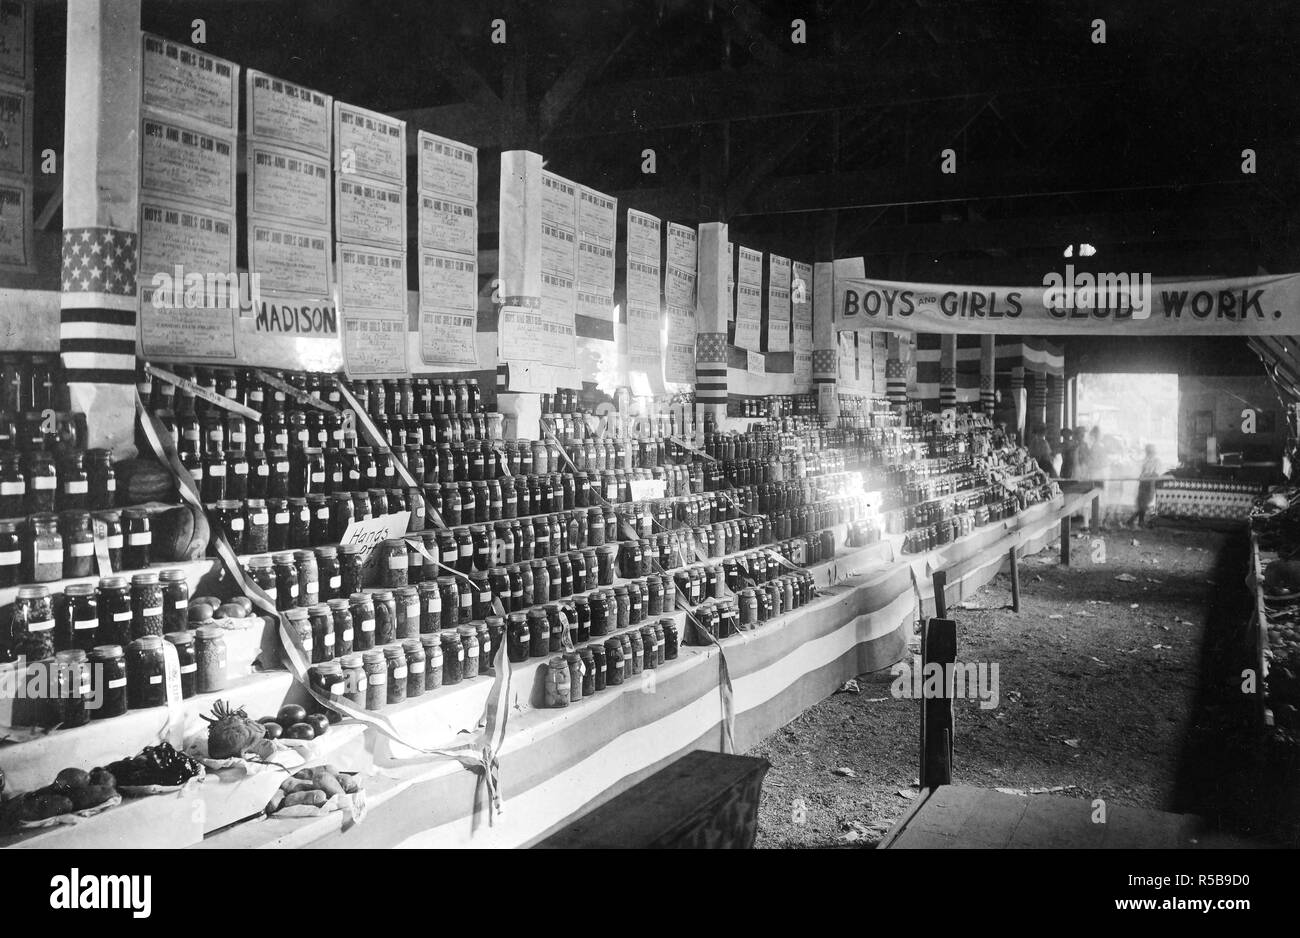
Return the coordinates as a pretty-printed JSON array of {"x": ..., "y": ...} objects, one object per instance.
[{"x": 832, "y": 148}]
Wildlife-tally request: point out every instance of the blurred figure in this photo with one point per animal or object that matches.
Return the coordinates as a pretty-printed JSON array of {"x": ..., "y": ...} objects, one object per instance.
[
  {"x": 1146, "y": 487},
  {"x": 1068, "y": 449},
  {"x": 1082, "y": 454},
  {"x": 1040, "y": 449}
]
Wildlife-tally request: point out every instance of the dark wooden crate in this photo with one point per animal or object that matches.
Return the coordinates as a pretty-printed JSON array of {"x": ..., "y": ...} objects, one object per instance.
[{"x": 704, "y": 800}]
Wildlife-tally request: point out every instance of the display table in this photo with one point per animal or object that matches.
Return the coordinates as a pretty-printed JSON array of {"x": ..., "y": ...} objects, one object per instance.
[{"x": 558, "y": 763}]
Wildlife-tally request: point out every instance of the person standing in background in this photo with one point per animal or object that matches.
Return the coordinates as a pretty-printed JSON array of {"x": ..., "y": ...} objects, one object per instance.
[
  {"x": 1082, "y": 455},
  {"x": 1069, "y": 452},
  {"x": 1041, "y": 450},
  {"x": 1146, "y": 487}
]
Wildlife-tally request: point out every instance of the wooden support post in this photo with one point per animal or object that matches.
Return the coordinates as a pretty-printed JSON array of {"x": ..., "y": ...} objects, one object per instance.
[
  {"x": 1015, "y": 581},
  {"x": 1096, "y": 513},
  {"x": 940, "y": 579},
  {"x": 938, "y": 646},
  {"x": 1065, "y": 541}
]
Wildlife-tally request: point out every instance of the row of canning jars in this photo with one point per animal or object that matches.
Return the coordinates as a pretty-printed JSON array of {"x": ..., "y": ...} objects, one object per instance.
[
  {"x": 750, "y": 607},
  {"x": 44, "y": 548},
  {"x": 115, "y": 610},
  {"x": 293, "y": 472},
  {"x": 418, "y": 396},
  {"x": 763, "y": 444},
  {"x": 42, "y": 483},
  {"x": 242, "y": 386},
  {"x": 256, "y": 525}
]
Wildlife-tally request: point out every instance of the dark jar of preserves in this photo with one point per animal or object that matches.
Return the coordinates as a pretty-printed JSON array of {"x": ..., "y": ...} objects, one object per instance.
[
  {"x": 146, "y": 673},
  {"x": 32, "y": 624},
  {"x": 183, "y": 642},
  {"x": 137, "y": 534},
  {"x": 176, "y": 599},
  {"x": 146, "y": 605},
  {"x": 108, "y": 681},
  {"x": 210, "y": 656},
  {"x": 453, "y": 656}
]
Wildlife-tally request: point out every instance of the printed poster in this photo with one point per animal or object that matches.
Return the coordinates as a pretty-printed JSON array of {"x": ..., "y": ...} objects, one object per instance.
[
  {"x": 15, "y": 226},
  {"x": 16, "y": 42},
  {"x": 801, "y": 306},
  {"x": 371, "y": 280},
  {"x": 448, "y": 168},
  {"x": 286, "y": 185},
  {"x": 370, "y": 212},
  {"x": 15, "y": 132},
  {"x": 374, "y": 345},
  {"x": 189, "y": 83},
  {"x": 187, "y": 165},
  {"x": 370, "y": 144},
  {"x": 289, "y": 259},
  {"x": 448, "y": 225},
  {"x": 749, "y": 316},
  {"x": 597, "y": 233},
  {"x": 292, "y": 115},
  {"x": 778, "y": 303}
]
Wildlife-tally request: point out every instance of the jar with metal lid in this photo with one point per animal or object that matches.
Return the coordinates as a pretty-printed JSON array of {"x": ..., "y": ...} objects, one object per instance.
[
  {"x": 32, "y": 623},
  {"x": 558, "y": 681},
  {"x": 349, "y": 569},
  {"x": 175, "y": 599},
  {"x": 13, "y": 486},
  {"x": 539, "y": 633},
  {"x": 362, "y": 608},
  {"x": 670, "y": 638},
  {"x": 649, "y": 645},
  {"x": 321, "y": 632},
  {"x": 406, "y": 601},
  {"x": 541, "y": 581},
  {"x": 636, "y": 658},
  {"x": 432, "y": 646},
  {"x": 327, "y": 680},
  {"x": 398, "y": 674},
  {"x": 588, "y": 671},
  {"x": 71, "y": 688},
  {"x": 299, "y": 523},
  {"x": 329, "y": 574},
  {"x": 659, "y": 642},
  {"x": 308, "y": 575},
  {"x": 210, "y": 658},
  {"x": 146, "y": 605},
  {"x": 464, "y": 551},
  {"x": 78, "y": 544},
  {"x": 622, "y": 607},
  {"x": 146, "y": 673},
  {"x": 286, "y": 581},
  {"x": 496, "y": 636},
  {"x": 77, "y": 620},
  {"x": 606, "y": 554},
  {"x": 582, "y": 619},
  {"x": 393, "y": 563},
  {"x": 613, "y": 662},
  {"x": 599, "y": 665},
  {"x": 518, "y": 637},
  {"x": 43, "y": 558},
  {"x": 138, "y": 539},
  {"x": 385, "y": 616},
  {"x": 599, "y": 603},
  {"x": 635, "y": 602},
  {"x": 42, "y": 484},
  {"x": 453, "y": 656},
  {"x": 355, "y": 680},
  {"x": 483, "y": 642},
  {"x": 341, "y": 623},
  {"x": 10, "y": 554},
  {"x": 183, "y": 642},
  {"x": 278, "y": 535},
  {"x": 591, "y": 569},
  {"x": 375, "y": 662},
  {"x": 430, "y": 600},
  {"x": 108, "y": 681},
  {"x": 74, "y": 485},
  {"x": 416, "y": 682}
]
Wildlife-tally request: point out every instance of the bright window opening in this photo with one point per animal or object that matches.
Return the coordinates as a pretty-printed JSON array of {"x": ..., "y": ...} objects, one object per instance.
[{"x": 1129, "y": 412}]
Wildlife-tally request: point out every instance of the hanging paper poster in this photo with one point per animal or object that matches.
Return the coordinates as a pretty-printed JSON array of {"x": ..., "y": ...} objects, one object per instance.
[
  {"x": 370, "y": 212},
  {"x": 16, "y": 41},
  {"x": 802, "y": 369},
  {"x": 189, "y": 83},
  {"x": 448, "y": 168},
  {"x": 447, "y": 337},
  {"x": 559, "y": 220},
  {"x": 755, "y": 363},
  {"x": 370, "y": 144},
  {"x": 282, "y": 112},
  {"x": 447, "y": 225},
  {"x": 374, "y": 346},
  {"x": 801, "y": 306},
  {"x": 679, "y": 364},
  {"x": 597, "y": 231},
  {"x": 778, "y": 303},
  {"x": 371, "y": 280},
  {"x": 527, "y": 334},
  {"x": 448, "y": 280},
  {"x": 749, "y": 316},
  {"x": 288, "y": 259},
  {"x": 750, "y": 267},
  {"x": 15, "y": 226},
  {"x": 288, "y": 186},
  {"x": 188, "y": 165},
  {"x": 15, "y": 132}
]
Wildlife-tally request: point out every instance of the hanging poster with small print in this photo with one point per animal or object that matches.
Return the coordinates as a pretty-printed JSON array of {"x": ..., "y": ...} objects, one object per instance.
[
  {"x": 367, "y": 143},
  {"x": 448, "y": 168},
  {"x": 288, "y": 259},
  {"x": 287, "y": 185},
  {"x": 448, "y": 281},
  {"x": 187, "y": 165},
  {"x": 190, "y": 84},
  {"x": 16, "y": 42},
  {"x": 374, "y": 346},
  {"x": 371, "y": 280},
  {"x": 15, "y": 132},
  {"x": 448, "y": 225},
  {"x": 447, "y": 337},
  {"x": 370, "y": 212},
  {"x": 15, "y": 227},
  {"x": 281, "y": 112}
]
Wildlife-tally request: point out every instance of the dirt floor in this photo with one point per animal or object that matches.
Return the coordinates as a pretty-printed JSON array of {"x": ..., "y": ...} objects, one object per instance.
[{"x": 1118, "y": 679}]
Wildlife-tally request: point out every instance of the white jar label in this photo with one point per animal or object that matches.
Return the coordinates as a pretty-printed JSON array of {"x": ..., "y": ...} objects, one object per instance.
[
  {"x": 347, "y": 635},
  {"x": 85, "y": 623},
  {"x": 216, "y": 470},
  {"x": 155, "y": 678},
  {"x": 241, "y": 468},
  {"x": 189, "y": 668},
  {"x": 336, "y": 581},
  {"x": 399, "y": 674},
  {"x": 110, "y": 485},
  {"x": 282, "y": 467},
  {"x": 318, "y": 478},
  {"x": 140, "y": 538},
  {"x": 236, "y": 524},
  {"x": 116, "y": 683},
  {"x": 282, "y": 517},
  {"x": 122, "y": 616},
  {"x": 41, "y": 625},
  {"x": 336, "y": 690},
  {"x": 83, "y": 549},
  {"x": 49, "y": 556},
  {"x": 397, "y": 563},
  {"x": 261, "y": 518},
  {"x": 417, "y": 667},
  {"x": 76, "y": 487},
  {"x": 434, "y": 605},
  {"x": 13, "y": 488},
  {"x": 179, "y": 604},
  {"x": 367, "y": 625},
  {"x": 43, "y": 482},
  {"x": 151, "y": 611},
  {"x": 9, "y": 558},
  {"x": 115, "y": 542},
  {"x": 263, "y": 469}
]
